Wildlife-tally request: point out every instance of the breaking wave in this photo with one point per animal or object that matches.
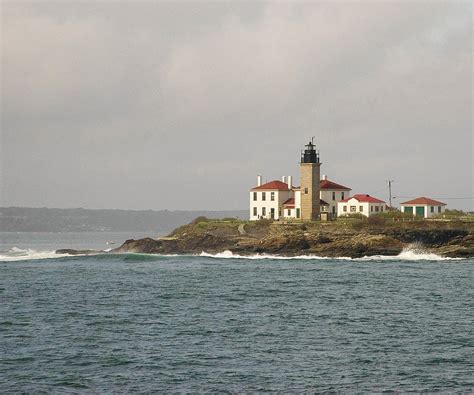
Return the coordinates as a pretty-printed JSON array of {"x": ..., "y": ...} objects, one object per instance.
[
  {"x": 18, "y": 254},
  {"x": 413, "y": 253},
  {"x": 408, "y": 254},
  {"x": 230, "y": 255}
]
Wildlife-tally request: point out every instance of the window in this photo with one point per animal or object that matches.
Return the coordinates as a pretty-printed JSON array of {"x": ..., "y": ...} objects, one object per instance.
[
  {"x": 371, "y": 209},
  {"x": 289, "y": 212},
  {"x": 264, "y": 196},
  {"x": 255, "y": 196},
  {"x": 439, "y": 209},
  {"x": 342, "y": 195},
  {"x": 353, "y": 209},
  {"x": 381, "y": 208},
  {"x": 255, "y": 211},
  {"x": 297, "y": 213},
  {"x": 272, "y": 213},
  {"x": 334, "y": 196},
  {"x": 272, "y": 196},
  {"x": 334, "y": 209},
  {"x": 344, "y": 208},
  {"x": 264, "y": 210},
  {"x": 361, "y": 208},
  {"x": 432, "y": 209},
  {"x": 306, "y": 191},
  {"x": 376, "y": 209}
]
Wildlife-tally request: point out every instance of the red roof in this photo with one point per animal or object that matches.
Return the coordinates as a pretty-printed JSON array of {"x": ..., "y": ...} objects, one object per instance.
[
  {"x": 363, "y": 199},
  {"x": 425, "y": 201},
  {"x": 272, "y": 186},
  {"x": 326, "y": 184}
]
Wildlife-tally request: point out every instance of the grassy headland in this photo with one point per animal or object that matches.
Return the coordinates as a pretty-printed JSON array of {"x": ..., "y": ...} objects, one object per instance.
[{"x": 386, "y": 234}]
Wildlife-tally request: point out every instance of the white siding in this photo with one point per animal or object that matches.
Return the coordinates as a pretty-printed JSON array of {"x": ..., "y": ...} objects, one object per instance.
[
  {"x": 427, "y": 209},
  {"x": 368, "y": 209},
  {"x": 298, "y": 199},
  {"x": 268, "y": 204},
  {"x": 293, "y": 211},
  {"x": 327, "y": 194}
]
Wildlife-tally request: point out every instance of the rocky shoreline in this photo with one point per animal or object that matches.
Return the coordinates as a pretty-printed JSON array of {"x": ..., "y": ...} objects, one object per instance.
[{"x": 342, "y": 239}]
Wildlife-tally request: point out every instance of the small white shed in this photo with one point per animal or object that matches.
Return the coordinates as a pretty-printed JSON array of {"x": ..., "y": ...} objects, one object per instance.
[{"x": 423, "y": 207}]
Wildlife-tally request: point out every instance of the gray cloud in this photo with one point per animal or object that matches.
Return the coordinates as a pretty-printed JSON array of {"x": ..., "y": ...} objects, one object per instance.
[{"x": 179, "y": 105}]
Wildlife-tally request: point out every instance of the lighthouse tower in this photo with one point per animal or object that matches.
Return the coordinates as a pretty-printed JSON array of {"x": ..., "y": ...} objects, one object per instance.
[{"x": 310, "y": 190}]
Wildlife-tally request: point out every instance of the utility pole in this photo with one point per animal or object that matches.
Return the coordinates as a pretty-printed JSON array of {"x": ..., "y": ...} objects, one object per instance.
[{"x": 390, "y": 191}]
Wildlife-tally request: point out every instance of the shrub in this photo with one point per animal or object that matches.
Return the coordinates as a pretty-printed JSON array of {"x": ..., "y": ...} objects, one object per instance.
[
  {"x": 354, "y": 216},
  {"x": 454, "y": 213},
  {"x": 376, "y": 220},
  {"x": 394, "y": 214},
  {"x": 358, "y": 225},
  {"x": 264, "y": 221}
]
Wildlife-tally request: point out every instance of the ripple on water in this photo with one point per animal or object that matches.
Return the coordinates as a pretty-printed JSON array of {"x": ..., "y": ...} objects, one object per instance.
[{"x": 134, "y": 323}]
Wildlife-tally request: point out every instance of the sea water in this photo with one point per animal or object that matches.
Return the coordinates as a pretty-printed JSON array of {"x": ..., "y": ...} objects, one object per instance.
[{"x": 214, "y": 323}]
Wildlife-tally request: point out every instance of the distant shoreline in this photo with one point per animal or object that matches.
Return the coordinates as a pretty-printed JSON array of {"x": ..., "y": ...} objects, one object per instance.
[{"x": 25, "y": 219}]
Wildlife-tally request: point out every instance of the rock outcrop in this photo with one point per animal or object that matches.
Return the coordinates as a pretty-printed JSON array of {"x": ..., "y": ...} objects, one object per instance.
[
  {"x": 338, "y": 239},
  {"x": 345, "y": 238}
]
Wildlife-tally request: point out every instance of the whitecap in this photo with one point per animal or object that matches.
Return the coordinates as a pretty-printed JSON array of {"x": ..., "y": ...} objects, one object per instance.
[
  {"x": 230, "y": 255},
  {"x": 408, "y": 254},
  {"x": 19, "y": 254}
]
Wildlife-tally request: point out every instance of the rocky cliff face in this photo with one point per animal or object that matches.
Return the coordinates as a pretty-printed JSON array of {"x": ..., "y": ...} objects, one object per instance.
[{"x": 323, "y": 239}]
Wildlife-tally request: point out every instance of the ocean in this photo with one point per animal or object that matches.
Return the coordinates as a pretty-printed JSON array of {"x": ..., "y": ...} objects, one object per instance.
[{"x": 224, "y": 323}]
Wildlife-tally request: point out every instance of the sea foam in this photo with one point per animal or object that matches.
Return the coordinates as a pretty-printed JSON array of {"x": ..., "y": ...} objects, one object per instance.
[
  {"x": 19, "y": 254},
  {"x": 411, "y": 253}
]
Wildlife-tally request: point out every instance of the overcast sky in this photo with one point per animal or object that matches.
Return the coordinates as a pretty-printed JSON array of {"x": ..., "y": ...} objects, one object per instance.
[{"x": 180, "y": 105}]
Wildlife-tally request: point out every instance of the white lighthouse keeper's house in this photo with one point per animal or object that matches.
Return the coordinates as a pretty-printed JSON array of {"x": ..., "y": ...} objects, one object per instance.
[{"x": 267, "y": 200}]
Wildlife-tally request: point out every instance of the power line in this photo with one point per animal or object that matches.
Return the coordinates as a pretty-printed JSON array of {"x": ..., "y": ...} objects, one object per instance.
[
  {"x": 380, "y": 190},
  {"x": 445, "y": 198}
]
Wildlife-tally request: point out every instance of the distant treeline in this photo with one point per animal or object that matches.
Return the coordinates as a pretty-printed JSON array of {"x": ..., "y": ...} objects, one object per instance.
[{"x": 22, "y": 219}]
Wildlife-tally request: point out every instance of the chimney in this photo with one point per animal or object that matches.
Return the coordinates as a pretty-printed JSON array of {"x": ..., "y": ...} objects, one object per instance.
[
  {"x": 325, "y": 177},
  {"x": 259, "y": 180},
  {"x": 283, "y": 179},
  {"x": 289, "y": 182}
]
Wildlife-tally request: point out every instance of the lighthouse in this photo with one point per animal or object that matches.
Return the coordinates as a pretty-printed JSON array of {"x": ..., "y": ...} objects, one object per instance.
[{"x": 310, "y": 188}]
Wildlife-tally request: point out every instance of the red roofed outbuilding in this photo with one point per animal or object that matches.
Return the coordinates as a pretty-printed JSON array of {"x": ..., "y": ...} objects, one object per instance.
[
  {"x": 423, "y": 207},
  {"x": 361, "y": 204}
]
